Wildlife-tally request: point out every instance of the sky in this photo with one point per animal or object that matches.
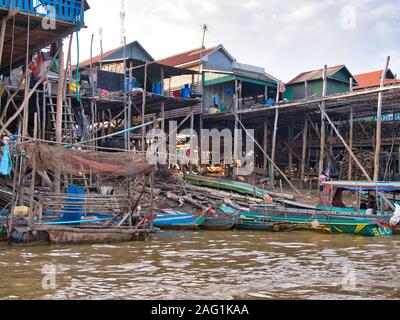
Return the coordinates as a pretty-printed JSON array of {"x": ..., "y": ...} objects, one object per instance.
[{"x": 286, "y": 37}]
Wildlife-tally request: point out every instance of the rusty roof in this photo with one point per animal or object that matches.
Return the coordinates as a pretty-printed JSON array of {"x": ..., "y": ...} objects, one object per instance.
[
  {"x": 373, "y": 79},
  {"x": 96, "y": 59},
  {"x": 187, "y": 57},
  {"x": 315, "y": 74}
]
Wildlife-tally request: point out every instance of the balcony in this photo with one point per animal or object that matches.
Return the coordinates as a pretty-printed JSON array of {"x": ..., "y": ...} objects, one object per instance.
[{"x": 65, "y": 10}]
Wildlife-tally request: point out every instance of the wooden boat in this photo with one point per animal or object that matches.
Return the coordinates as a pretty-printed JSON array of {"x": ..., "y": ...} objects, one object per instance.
[
  {"x": 228, "y": 185},
  {"x": 249, "y": 221},
  {"x": 221, "y": 222},
  {"x": 175, "y": 220},
  {"x": 313, "y": 220},
  {"x": 61, "y": 234}
]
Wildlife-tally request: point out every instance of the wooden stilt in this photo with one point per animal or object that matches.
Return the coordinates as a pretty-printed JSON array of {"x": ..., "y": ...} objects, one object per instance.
[
  {"x": 304, "y": 152},
  {"x": 351, "y": 133},
  {"x": 143, "y": 108},
  {"x": 2, "y": 36},
  {"x": 34, "y": 170},
  {"x": 379, "y": 125},
  {"x": 162, "y": 102},
  {"x": 290, "y": 149},
  {"x": 323, "y": 128},
  {"x": 265, "y": 142},
  {"x": 273, "y": 153},
  {"x": 59, "y": 112}
]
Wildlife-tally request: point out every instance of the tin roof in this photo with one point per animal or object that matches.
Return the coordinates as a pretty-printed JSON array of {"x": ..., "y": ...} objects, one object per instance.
[
  {"x": 373, "y": 79},
  {"x": 316, "y": 74},
  {"x": 186, "y": 57}
]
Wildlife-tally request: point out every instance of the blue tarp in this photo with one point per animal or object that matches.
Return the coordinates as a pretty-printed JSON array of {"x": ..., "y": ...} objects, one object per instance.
[{"x": 6, "y": 163}]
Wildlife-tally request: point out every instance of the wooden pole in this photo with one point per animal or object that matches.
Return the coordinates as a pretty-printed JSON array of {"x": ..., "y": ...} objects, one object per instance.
[
  {"x": 273, "y": 153},
  {"x": 143, "y": 108},
  {"x": 130, "y": 104},
  {"x": 351, "y": 133},
  {"x": 304, "y": 152},
  {"x": 265, "y": 141},
  {"x": 352, "y": 154},
  {"x": 379, "y": 124},
  {"x": 162, "y": 102},
  {"x": 191, "y": 141},
  {"x": 34, "y": 170},
  {"x": 290, "y": 143},
  {"x": 323, "y": 129},
  {"x": 59, "y": 112},
  {"x": 2, "y": 37},
  {"x": 266, "y": 156}
]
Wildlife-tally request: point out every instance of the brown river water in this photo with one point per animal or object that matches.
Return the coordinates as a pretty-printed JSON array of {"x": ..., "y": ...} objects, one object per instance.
[{"x": 208, "y": 265}]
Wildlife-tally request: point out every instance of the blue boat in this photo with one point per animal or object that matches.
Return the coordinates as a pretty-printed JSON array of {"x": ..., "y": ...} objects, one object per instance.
[{"x": 179, "y": 220}]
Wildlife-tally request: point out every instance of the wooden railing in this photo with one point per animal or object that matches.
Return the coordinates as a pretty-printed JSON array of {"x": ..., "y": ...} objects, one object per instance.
[{"x": 66, "y": 10}]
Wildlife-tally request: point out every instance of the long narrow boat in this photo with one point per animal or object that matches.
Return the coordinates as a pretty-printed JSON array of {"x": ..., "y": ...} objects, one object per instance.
[
  {"x": 313, "y": 220},
  {"x": 221, "y": 222},
  {"x": 250, "y": 221},
  {"x": 179, "y": 220},
  {"x": 228, "y": 185}
]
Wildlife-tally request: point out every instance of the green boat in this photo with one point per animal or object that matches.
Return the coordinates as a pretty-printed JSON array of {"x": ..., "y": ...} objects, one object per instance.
[
  {"x": 331, "y": 201},
  {"x": 228, "y": 185},
  {"x": 312, "y": 220}
]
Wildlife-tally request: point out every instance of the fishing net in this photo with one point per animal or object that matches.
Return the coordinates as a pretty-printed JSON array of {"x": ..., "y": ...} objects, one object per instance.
[{"x": 76, "y": 162}]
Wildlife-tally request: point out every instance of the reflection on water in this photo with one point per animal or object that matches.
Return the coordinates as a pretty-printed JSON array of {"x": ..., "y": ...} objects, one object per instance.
[{"x": 209, "y": 265}]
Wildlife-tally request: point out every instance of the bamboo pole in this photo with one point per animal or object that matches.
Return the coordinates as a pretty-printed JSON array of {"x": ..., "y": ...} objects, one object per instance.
[
  {"x": 379, "y": 124},
  {"x": 323, "y": 128}
]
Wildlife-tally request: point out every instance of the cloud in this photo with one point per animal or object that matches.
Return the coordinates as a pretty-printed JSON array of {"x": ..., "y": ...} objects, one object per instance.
[{"x": 285, "y": 37}]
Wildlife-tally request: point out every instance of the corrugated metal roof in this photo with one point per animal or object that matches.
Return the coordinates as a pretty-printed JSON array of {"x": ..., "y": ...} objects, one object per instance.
[
  {"x": 373, "y": 79},
  {"x": 186, "y": 57},
  {"x": 315, "y": 74}
]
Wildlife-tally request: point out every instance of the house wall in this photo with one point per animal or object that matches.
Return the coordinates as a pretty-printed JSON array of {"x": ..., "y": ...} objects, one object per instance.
[
  {"x": 225, "y": 100},
  {"x": 132, "y": 51},
  {"x": 218, "y": 60},
  {"x": 297, "y": 91}
]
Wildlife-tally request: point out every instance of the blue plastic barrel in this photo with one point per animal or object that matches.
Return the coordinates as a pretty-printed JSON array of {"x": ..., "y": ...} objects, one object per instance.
[
  {"x": 185, "y": 93},
  {"x": 157, "y": 88},
  {"x": 73, "y": 212}
]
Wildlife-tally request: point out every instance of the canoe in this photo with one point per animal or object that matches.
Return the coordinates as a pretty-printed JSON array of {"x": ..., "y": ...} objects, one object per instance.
[
  {"x": 61, "y": 234},
  {"x": 228, "y": 185},
  {"x": 179, "y": 220},
  {"x": 314, "y": 220},
  {"x": 223, "y": 222},
  {"x": 250, "y": 221}
]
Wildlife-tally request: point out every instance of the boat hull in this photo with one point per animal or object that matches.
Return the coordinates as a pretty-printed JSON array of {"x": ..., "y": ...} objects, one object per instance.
[
  {"x": 179, "y": 221},
  {"x": 316, "y": 220},
  {"x": 220, "y": 223}
]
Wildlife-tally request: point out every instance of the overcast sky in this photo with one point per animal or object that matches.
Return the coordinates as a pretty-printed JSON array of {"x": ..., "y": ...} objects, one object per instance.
[{"x": 285, "y": 37}]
